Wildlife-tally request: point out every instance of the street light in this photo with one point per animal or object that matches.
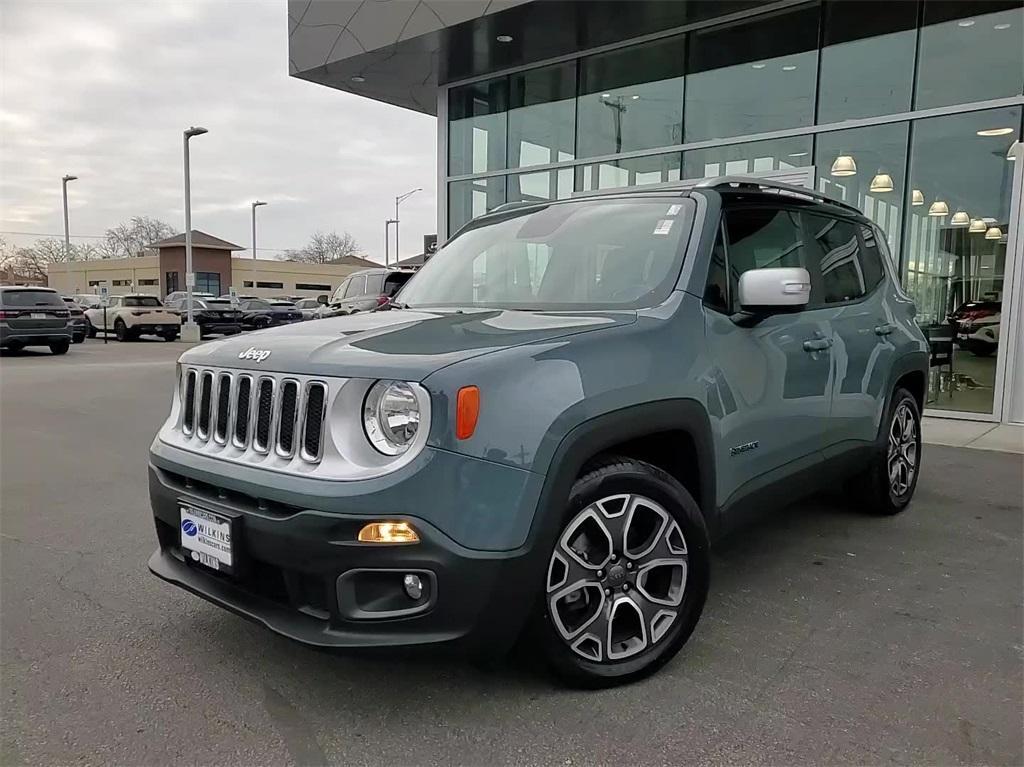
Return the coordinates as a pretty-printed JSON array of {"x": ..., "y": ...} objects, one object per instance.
[
  {"x": 189, "y": 331},
  {"x": 398, "y": 200},
  {"x": 67, "y": 231},
  {"x": 254, "y": 206},
  {"x": 388, "y": 223}
]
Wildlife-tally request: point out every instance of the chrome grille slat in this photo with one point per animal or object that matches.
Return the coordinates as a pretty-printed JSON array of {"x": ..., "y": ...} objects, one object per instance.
[{"x": 278, "y": 416}]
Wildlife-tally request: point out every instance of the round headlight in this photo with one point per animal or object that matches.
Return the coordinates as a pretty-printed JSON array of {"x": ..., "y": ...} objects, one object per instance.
[{"x": 391, "y": 416}]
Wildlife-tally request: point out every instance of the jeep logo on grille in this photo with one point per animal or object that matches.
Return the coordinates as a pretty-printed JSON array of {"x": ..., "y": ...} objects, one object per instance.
[{"x": 252, "y": 353}]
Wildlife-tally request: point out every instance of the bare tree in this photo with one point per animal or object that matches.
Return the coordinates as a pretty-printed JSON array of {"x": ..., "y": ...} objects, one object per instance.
[
  {"x": 131, "y": 238},
  {"x": 324, "y": 248}
]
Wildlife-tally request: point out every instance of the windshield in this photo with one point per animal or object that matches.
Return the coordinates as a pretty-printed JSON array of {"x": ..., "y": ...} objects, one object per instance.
[
  {"x": 612, "y": 254},
  {"x": 31, "y": 298},
  {"x": 142, "y": 301}
]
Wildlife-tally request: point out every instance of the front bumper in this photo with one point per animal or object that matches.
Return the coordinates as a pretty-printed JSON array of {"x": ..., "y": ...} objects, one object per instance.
[
  {"x": 220, "y": 327},
  {"x": 302, "y": 573}
]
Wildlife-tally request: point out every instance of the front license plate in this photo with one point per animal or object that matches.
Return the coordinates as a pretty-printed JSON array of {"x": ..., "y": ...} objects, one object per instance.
[{"x": 206, "y": 538}]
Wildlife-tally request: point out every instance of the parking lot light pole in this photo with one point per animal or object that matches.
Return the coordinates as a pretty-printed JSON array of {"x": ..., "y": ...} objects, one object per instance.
[
  {"x": 67, "y": 230},
  {"x": 189, "y": 331},
  {"x": 254, "y": 206},
  {"x": 387, "y": 230},
  {"x": 398, "y": 201}
]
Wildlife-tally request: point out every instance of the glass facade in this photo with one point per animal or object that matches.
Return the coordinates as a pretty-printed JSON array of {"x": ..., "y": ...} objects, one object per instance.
[{"x": 697, "y": 104}]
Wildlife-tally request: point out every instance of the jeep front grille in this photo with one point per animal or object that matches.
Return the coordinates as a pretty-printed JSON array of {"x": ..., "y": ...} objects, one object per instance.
[{"x": 263, "y": 413}]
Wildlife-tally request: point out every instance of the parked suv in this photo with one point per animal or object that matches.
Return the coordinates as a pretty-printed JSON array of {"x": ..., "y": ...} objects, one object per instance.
[
  {"x": 570, "y": 402},
  {"x": 34, "y": 317},
  {"x": 132, "y": 316},
  {"x": 365, "y": 291}
]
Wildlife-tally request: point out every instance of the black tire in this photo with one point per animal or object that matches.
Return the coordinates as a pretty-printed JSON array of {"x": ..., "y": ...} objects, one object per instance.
[
  {"x": 91, "y": 331},
  {"x": 78, "y": 339},
  {"x": 616, "y": 477},
  {"x": 171, "y": 336},
  {"x": 60, "y": 347},
  {"x": 878, "y": 493},
  {"x": 121, "y": 330},
  {"x": 981, "y": 349}
]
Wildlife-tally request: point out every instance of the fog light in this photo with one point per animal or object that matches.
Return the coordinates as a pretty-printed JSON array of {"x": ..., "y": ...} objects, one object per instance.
[
  {"x": 388, "y": 532},
  {"x": 413, "y": 586}
]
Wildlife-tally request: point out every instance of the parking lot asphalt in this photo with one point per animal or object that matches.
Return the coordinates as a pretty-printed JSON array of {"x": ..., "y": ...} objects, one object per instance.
[{"x": 829, "y": 636}]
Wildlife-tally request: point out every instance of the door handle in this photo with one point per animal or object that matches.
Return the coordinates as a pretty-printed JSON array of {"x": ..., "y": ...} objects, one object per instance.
[
  {"x": 817, "y": 344},
  {"x": 884, "y": 329}
]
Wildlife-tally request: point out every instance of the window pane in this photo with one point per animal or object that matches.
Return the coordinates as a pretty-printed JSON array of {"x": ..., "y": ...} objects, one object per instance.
[
  {"x": 637, "y": 171},
  {"x": 844, "y": 274},
  {"x": 753, "y": 76},
  {"x": 762, "y": 238},
  {"x": 477, "y": 115},
  {"x": 631, "y": 99},
  {"x": 876, "y": 180},
  {"x": 542, "y": 185},
  {"x": 970, "y": 52},
  {"x": 752, "y": 157},
  {"x": 955, "y": 246},
  {"x": 542, "y": 117},
  {"x": 472, "y": 198},
  {"x": 867, "y": 64}
]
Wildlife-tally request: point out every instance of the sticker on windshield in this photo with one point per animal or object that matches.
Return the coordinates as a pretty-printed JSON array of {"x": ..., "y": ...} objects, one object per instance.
[
  {"x": 674, "y": 210},
  {"x": 664, "y": 226}
]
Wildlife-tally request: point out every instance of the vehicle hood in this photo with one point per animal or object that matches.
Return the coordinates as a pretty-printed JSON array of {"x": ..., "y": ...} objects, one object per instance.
[{"x": 405, "y": 344}]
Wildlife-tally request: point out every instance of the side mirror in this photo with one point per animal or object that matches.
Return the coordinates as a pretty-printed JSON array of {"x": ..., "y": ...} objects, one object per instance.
[
  {"x": 321, "y": 300},
  {"x": 773, "y": 290}
]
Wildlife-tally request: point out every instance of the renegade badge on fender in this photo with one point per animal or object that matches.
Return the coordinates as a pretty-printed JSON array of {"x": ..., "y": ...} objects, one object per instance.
[{"x": 570, "y": 401}]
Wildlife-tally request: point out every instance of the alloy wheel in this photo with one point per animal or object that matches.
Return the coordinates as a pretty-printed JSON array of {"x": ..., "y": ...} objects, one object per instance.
[
  {"x": 617, "y": 577},
  {"x": 902, "y": 456}
]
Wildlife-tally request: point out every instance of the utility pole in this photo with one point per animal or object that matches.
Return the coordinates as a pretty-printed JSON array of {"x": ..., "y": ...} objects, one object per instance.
[
  {"x": 190, "y": 331},
  {"x": 398, "y": 201},
  {"x": 254, "y": 206},
  {"x": 67, "y": 229}
]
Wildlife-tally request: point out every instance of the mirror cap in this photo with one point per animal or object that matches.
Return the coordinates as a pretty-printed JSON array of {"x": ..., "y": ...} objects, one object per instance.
[{"x": 782, "y": 288}]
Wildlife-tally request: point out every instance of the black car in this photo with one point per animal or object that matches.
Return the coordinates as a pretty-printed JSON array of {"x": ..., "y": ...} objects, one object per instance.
[
  {"x": 260, "y": 313},
  {"x": 79, "y": 324},
  {"x": 212, "y": 315}
]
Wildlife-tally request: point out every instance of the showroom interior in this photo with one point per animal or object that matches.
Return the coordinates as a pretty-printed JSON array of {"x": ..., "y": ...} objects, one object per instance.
[{"x": 909, "y": 109}]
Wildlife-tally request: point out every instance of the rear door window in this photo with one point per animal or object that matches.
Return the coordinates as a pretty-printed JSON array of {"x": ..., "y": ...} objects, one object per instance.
[
  {"x": 356, "y": 287},
  {"x": 846, "y": 274},
  {"x": 374, "y": 284},
  {"x": 31, "y": 298}
]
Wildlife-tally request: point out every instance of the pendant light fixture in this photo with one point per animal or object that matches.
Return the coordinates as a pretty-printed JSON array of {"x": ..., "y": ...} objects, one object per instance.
[
  {"x": 938, "y": 208},
  {"x": 978, "y": 226},
  {"x": 993, "y": 233},
  {"x": 960, "y": 218},
  {"x": 917, "y": 197},
  {"x": 881, "y": 183},
  {"x": 844, "y": 165}
]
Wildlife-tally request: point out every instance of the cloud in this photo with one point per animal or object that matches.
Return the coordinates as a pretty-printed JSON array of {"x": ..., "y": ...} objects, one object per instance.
[{"x": 104, "y": 90}]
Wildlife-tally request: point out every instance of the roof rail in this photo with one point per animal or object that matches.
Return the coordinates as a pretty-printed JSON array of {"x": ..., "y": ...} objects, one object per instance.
[{"x": 777, "y": 187}]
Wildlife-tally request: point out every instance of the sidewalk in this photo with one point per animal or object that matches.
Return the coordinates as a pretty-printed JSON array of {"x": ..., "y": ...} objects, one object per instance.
[{"x": 1005, "y": 437}]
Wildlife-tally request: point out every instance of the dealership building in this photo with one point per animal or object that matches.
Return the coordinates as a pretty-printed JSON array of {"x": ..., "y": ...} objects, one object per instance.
[{"x": 909, "y": 109}]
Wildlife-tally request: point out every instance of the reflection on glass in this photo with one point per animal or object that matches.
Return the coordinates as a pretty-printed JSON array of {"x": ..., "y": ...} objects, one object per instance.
[
  {"x": 542, "y": 116},
  {"x": 637, "y": 171},
  {"x": 877, "y": 183},
  {"x": 752, "y": 157},
  {"x": 472, "y": 198},
  {"x": 631, "y": 99},
  {"x": 954, "y": 271},
  {"x": 542, "y": 185},
  {"x": 753, "y": 76},
  {"x": 867, "y": 64},
  {"x": 476, "y": 127},
  {"x": 970, "y": 51}
]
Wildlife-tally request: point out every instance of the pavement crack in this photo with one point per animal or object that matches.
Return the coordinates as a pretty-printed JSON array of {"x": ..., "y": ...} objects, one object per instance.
[{"x": 299, "y": 737}]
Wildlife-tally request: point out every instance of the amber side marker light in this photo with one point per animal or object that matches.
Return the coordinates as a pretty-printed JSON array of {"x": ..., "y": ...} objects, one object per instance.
[
  {"x": 467, "y": 411},
  {"x": 388, "y": 532}
]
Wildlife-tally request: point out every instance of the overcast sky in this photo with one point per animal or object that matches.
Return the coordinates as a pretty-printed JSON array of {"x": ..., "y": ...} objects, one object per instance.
[{"x": 103, "y": 91}]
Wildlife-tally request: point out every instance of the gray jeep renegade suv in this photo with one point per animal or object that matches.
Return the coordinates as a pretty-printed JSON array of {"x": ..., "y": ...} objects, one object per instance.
[{"x": 571, "y": 400}]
